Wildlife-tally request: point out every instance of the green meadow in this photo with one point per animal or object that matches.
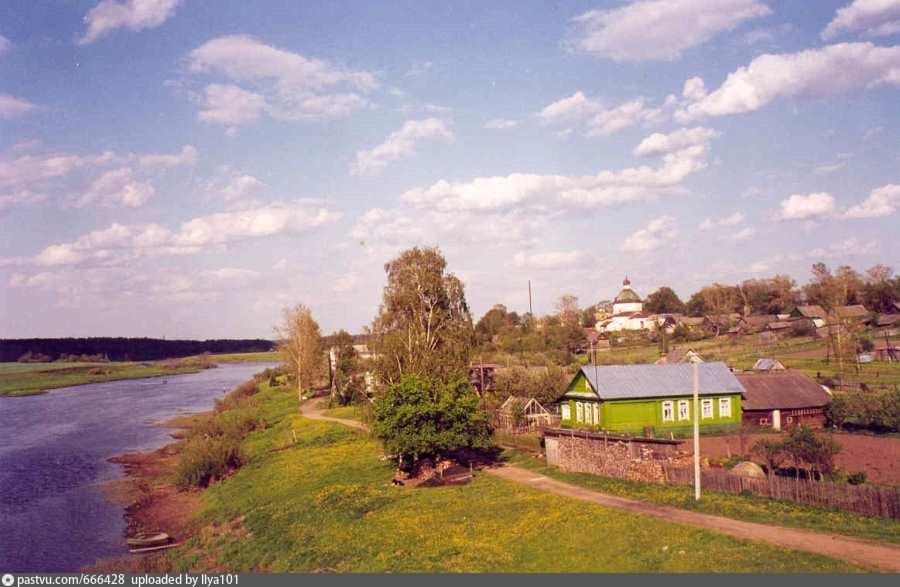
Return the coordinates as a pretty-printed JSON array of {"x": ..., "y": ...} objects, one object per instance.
[
  {"x": 317, "y": 496},
  {"x": 18, "y": 379}
]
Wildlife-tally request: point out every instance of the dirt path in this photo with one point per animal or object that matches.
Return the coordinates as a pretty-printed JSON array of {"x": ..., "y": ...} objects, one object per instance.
[
  {"x": 862, "y": 552},
  {"x": 871, "y": 554},
  {"x": 311, "y": 410}
]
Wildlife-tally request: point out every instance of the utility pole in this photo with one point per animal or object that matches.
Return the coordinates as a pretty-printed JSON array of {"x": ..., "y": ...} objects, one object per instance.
[
  {"x": 696, "y": 432},
  {"x": 530, "y": 308}
]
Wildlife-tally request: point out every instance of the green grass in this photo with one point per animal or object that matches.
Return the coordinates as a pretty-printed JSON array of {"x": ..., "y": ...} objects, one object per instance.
[
  {"x": 260, "y": 357},
  {"x": 344, "y": 413},
  {"x": 739, "y": 507},
  {"x": 19, "y": 379},
  {"x": 325, "y": 502}
]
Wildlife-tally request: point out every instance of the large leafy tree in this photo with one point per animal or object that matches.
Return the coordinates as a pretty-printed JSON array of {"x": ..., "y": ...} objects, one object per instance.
[
  {"x": 423, "y": 325},
  {"x": 301, "y": 346},
  {"x": 422, "y": 417},
  {"x": 664, "y": 301}
]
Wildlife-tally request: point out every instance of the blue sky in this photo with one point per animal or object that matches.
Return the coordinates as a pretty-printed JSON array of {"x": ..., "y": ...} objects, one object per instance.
[{"x": 170, "y": 168}]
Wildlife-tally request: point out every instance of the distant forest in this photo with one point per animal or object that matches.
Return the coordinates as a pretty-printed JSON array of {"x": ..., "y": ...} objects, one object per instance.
[{"x": 126, "y": 349}]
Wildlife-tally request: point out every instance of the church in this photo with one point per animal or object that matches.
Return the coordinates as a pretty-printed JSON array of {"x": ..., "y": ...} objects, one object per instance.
[{"x": 627, "y": 312}]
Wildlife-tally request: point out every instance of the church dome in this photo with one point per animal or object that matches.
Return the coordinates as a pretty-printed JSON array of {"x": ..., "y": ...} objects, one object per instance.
[{"x": 627, "y": 295}]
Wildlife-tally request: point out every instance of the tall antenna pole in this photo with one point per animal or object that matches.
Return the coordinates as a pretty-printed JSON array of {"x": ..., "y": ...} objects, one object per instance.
[
  {"x": 530, "y": 308},
  {"x": 696, "y": 432}
]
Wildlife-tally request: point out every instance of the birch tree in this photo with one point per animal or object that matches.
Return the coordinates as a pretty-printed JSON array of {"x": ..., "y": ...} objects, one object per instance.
[{"x": 301, "y": 345}]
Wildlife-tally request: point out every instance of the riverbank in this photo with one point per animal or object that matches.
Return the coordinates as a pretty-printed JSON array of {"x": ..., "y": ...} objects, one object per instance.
[
  {"x": 317, "y": 496},
  {"x": 23, "y": 379}
]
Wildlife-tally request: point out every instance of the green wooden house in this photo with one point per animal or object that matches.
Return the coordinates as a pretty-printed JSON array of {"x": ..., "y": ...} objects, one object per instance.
[{"x": 641, "y": 398}]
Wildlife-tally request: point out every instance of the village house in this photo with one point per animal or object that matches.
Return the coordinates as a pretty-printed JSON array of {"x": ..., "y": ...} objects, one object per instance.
[
  {"x": 886, "y": 350},
  {"x": 782, "y": 399},
  {"x": 651, "y": 398},
  {"x": 676, "y": 356},
  {"x": 768, "y": 364}
]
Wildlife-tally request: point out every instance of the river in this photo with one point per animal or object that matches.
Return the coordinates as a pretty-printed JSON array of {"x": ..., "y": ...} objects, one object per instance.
[{"x": 54, "y": 451}]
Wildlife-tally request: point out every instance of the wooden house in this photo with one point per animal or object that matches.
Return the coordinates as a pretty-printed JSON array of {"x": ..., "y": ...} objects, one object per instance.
[
  {"x": 651, "y": 398},
  {"x": 676, "y": 356},
  {"x": 809, "y": 311},
  {"x": 886, "y": 350},
  {"x": 782, "y": 399}
]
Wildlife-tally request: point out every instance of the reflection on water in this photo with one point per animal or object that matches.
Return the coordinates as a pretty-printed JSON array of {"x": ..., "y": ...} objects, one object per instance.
[{"x": 53, "y": 456}]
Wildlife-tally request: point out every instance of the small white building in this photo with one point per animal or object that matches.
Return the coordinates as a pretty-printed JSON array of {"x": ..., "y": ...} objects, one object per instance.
[{"x": 628, "y": 312}]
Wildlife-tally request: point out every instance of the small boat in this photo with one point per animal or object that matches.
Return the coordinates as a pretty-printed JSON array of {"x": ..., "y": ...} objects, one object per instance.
[
  {"x": 153, "y": 548},
  {"x": 149, "y": 540}
]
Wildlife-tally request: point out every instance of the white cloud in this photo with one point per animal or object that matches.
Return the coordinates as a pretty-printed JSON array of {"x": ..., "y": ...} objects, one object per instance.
[
  {"x": 187, "y": 156},
  {"x": 120, "y": 243},
  {"x": 19, "y": 198},
  {"x": 732, "y": 220},
  {"x": 135, "y": 15},
  {"x": 659, "y": 144},
  {"x": 606, "y": 188},
  {"x": 417, "y": 69},
  {"x": 873, "y": 132},
  {"x": 813, "y": 73},
  {"x": 882, "y": 201},
  {"x": 598, "y": 119},
  {"x": 829, "y": 168},
  {"x": 743, "y": 234},
  {"x": 400, "y": 144},
  {"x": 4, "y": 44},
  {"x": 808, "y": 207},
  {"x": 657, "y": 233},
  {"x": 501, "y": 123},
  {"x": 872, "y": 18},
  {"x": 647, "y": 30},
  {"x": 551, "y": 260},
  {"x": 231, "y": 105},
  {"x": 767, "y": 35},
  {"x": 117, "y": 187},
  {"x": 283, "y": 84},
  {"x": 12, "y": 107},
  {"x": 230, "y": 275},
  {"x": 30, "y": 169}
]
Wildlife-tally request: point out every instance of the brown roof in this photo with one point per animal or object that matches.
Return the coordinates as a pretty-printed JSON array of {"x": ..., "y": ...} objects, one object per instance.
[
  {"x": 887, "y": 319},
  {"x": 779, "y": 325},
  {"x": 760, "y": 320},
  {"x": 782, "y": 390},
  {"x": 855, "y": 311},
  {"x": 812, "y": 311},
  {"x": 883, "y": 345}
]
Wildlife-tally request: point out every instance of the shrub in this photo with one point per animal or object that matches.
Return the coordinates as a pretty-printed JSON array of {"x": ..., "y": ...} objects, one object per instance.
[
  {"x": 878, "y": 412},
  {"x": 204, "y": 460},
  {"x": 30, "y": 357},
  {"x": 857, "y": 478}
]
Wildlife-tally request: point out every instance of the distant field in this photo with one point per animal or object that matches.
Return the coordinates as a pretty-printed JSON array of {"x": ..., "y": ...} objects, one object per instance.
[
  {"x": 17, "y": 379},
  {"x": 263, "y": 357}
]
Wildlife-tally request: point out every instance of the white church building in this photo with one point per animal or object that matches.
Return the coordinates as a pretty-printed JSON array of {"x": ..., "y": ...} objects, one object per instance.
[{"x": 627, "y": 313}]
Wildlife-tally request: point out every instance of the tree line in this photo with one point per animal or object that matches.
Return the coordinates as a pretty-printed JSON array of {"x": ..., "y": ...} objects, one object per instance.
[{"x": 125, "y": 349}]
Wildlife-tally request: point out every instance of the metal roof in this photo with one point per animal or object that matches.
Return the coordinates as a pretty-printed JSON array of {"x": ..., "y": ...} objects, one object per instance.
[
  {"x": 781, "y": 390},
  {"x": 640, "y": 381}
]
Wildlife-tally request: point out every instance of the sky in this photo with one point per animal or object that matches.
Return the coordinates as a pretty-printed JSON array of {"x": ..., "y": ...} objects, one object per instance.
[{"x": 185, "y": 169}]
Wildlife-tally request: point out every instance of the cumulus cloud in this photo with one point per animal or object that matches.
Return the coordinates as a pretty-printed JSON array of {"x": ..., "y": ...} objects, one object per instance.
[
  {"x": 606, "y": 188},
  {"x": 400, "y": 144},
  {"x": 598, "y": 119},
  {"x": 659, "y": 144},
  {"x": 807, "y": 207},
  {"x": 134, "y": 15},
  {"x": 871, "y": 18},
  {"x": 117, "y": 188},
  {"x": 657, "y": 233},
  {"x": 882, "y": 201},
  {"x": 187, "y": 156},
  {"x": 4, "y": 44},
  {"x": 659, "y": 30},
  {"x": 30, "y": 169},
  {"x": 732, "y": 220},
  {"x": 281, "y": 83},
  {"x": 551, "y": 259},
  {"x": 12, "y": 107},
  {"x": 120, "y": 243},
  {"x": 501, "y": 123},
  {"x": 813, "y": 73}
]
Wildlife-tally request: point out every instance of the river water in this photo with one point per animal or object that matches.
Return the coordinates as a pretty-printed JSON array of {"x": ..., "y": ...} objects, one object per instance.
[{"x": 53, "y": 457}]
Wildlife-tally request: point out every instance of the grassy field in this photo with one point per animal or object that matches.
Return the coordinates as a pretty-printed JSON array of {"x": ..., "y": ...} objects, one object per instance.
[
  {"x": 261, "y": 357},
  {"x": 326, "y": 503},
  {"x": 739, "y": 507},
  {"x": 19, "y": 379},
  {"x": 345, "y": 413}
]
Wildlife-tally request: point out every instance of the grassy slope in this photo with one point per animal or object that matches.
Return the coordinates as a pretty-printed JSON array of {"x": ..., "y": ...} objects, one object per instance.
[
  {"x": 260, "y": 357},
  {"x": 326, "y": 503},
  {"x": 18, "y": 379},
  {"x": 749, "y": 508}
]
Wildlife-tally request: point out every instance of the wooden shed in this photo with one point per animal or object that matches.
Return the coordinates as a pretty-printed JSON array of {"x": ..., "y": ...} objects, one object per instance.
[{"x": 782, "y": 399}]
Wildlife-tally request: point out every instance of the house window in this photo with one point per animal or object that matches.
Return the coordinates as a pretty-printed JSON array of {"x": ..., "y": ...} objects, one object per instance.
[
  {"x": 724, "y": 407},
  {"x": 684, "y": 410},
  {"x": 790, "y": 419},
  {"x": 579, "y": 412},
  {"x": 587, "y": 414},
  {"x": 566, "y": 412},
  {"x": 763, "y": 421},
  {"x": 668, "y": 412},
  {"x": 707, "y": 408},
  {"x": 596, "y": 414}
]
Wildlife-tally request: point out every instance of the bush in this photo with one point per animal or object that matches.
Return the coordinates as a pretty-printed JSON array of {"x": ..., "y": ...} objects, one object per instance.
[
  {"x": 31, "y": 357},
  {"x": 204, "y": 460},
  {"x": 878, "y": 412}
]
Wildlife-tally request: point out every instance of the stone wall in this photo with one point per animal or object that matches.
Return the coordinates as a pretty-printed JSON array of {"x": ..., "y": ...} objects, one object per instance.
[{"x": 611, "y": 457}]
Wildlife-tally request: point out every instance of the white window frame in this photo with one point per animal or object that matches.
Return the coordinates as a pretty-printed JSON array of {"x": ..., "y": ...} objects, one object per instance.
[
  {"x": 724, "y": 407},
  {"x": 566, "y": 411},
  {"x": 684, "y": 410},
  {"x": 706, "y": 409},
  {"x": 669, "y": 407},
  {"x": 596, "y": 409},
  {"x": 587, "y": 414},
  {"x": 579, "y": 412}
]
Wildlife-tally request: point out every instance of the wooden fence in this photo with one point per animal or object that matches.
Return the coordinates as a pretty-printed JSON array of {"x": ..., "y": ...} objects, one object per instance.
[{"x": 868, "y": 500}]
